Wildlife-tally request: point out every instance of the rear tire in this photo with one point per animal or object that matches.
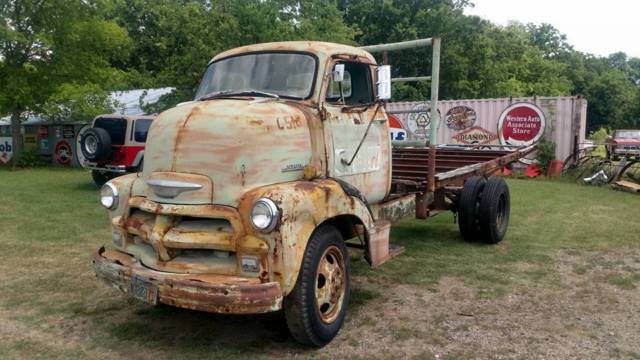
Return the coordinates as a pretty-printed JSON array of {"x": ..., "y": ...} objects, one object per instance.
[
  {"x": 96, "y": 144},
  {"x": 100, "y": 177},
  {"x": 494, "y": 211},
  {"x": 468, "y": 208},
  {"x": 316, "y": 307}
]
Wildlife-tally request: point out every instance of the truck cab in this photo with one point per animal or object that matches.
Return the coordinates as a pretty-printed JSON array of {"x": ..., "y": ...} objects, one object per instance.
[
  {"x": 623, "y": 143},
  {"x": 249, "y": 191}
]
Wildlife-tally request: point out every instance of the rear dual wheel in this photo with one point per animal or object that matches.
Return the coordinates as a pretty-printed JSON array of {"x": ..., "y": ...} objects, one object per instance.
[{"x": 483, "y": 209}]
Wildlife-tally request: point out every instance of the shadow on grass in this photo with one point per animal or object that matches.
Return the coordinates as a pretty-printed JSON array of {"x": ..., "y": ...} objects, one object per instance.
[
  {"x": 86, "y": 187},
  {"x": 194, "y": 334}
]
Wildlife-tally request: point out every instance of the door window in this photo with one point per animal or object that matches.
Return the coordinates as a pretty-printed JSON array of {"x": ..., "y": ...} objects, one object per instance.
[
  {"x": 141, "y": 129},
  {"x": 356, "y": 87}
]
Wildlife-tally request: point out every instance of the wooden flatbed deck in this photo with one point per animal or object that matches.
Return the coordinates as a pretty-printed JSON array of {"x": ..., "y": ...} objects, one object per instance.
[{"x": 426, "y": 168}]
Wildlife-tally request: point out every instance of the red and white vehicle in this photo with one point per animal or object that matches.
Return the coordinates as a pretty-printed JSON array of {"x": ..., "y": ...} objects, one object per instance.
[
  {"x": 623, "y": 142},
  {"x": 114, "y": 145}
]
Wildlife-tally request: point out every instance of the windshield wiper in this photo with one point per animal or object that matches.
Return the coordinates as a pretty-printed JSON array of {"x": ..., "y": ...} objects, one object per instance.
[
  {"x": 216, "y": 94},
  {"x": 256, "y": 93}
]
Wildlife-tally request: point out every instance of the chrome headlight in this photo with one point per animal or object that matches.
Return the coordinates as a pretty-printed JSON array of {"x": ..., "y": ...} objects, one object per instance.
[
  {"x": 109, "y": 196},
  {"x": 264, "y": 215}
]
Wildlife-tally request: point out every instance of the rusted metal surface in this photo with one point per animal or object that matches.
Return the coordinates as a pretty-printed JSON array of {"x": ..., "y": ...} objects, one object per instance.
[
  {"x": 482, "y": 168},
  {"x": 304, "y": 206},
  {"x": 379, "y": 243},
  {"x": 317, "y": 162},
  {"x": 396, "y": 208},
  {"x": 212, "y": 293},
  {"x": 432, "y": 170}
]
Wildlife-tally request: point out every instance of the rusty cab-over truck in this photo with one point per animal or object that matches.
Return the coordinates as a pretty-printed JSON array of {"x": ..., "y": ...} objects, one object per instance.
[{"x": 249, "y": 193}]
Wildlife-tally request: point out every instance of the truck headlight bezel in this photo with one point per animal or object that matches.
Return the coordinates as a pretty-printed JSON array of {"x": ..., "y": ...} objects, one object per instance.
[
  {"x": 109, "y": 196},
  {"x": 264, "y": 215}
]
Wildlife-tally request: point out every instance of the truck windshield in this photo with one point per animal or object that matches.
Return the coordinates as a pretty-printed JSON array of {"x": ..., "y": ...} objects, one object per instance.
[
  {"x": 628, "y": 134},
  {"x": 288, "y": 75}
]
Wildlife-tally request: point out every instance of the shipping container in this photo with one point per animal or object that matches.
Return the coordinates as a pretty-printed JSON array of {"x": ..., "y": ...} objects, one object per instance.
[
  {"x": 504, "y": 121},
  {"x": 58, "y": 144}
]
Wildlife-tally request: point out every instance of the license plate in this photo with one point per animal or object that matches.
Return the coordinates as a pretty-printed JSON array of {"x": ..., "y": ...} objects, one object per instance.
[{"x": 143, "y": 290}]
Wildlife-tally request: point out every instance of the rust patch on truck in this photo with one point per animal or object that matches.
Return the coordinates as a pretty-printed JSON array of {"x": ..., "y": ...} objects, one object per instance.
[
  {"x": 257, "y": 176},
  {"x": 211, "y": 293}
]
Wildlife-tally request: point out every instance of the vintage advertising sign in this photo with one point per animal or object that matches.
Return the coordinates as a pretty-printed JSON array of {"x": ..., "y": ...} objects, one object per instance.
[
  {"x": 68, "y": 132},
  {"x": 418, "y": 122},
  {"x": 6, "y": 149},
  {"x": 30, "y": 142},
  {"x": 521, "y": 124},
  {"x": 396, "y": 131},
  {"x": 475, "y": 135},
  {"x": 63, "y": 153},
  {"x": 43, "y": 131},
  {"x": 460, "y": 117}
]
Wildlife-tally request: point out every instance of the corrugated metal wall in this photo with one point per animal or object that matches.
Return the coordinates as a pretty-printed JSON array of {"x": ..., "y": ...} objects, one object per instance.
[{"x": 565, "y": 119}]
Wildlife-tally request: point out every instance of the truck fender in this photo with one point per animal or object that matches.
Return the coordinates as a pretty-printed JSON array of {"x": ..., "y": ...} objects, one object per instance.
[
  {"x": 123, "y": 184},
  {"x": 304, "y": 205}
]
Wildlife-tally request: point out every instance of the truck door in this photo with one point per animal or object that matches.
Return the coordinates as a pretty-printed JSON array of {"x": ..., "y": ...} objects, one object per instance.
[{"x": 351, "y": 110}]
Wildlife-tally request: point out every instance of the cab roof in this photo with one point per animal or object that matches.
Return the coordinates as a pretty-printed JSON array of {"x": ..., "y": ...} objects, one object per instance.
[{"x": 321, "y": 49}]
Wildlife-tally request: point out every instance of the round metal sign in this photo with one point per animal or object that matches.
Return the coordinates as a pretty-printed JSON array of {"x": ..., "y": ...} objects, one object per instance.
[
  {"x": 460, "y": 117},
  {"x": 521, "y": 124}
]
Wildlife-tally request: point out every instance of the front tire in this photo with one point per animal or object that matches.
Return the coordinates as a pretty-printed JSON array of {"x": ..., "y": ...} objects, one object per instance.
[{"x": 316, "y": 307}]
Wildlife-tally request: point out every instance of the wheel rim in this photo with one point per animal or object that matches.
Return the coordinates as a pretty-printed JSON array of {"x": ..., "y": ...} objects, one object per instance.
[
  {"x": 330, "y": 284},
  {"x": 91, "y": 145}
]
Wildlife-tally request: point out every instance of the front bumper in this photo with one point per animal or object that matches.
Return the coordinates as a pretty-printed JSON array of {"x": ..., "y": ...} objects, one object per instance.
[{"x": 204, "y": 292}]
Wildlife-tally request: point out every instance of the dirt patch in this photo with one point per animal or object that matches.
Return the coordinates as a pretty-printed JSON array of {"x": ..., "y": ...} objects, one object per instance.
[
  {"x": 587, "y": 315},
  {"x": 589, "y": 307}
]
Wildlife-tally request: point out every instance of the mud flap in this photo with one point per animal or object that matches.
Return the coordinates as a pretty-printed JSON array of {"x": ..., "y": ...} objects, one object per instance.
[{"x": 379, "y": 249}]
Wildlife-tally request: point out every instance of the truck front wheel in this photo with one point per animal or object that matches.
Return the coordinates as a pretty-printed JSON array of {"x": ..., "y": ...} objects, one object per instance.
[{"x": 316, "y": 307}]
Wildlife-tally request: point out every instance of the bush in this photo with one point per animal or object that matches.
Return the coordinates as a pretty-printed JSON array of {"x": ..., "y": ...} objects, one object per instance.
[
  {"x": 546, "y": 152},
  {"x": 599, "y": 136},
  {"x": 31, "y": 158}
]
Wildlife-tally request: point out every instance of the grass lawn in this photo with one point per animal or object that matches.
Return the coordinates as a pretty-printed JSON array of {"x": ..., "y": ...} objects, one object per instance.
[{"x": 564, "y": 283}]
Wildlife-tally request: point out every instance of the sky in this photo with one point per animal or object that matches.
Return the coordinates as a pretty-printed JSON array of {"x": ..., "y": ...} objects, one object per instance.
[{"x": 596, "y": 27}]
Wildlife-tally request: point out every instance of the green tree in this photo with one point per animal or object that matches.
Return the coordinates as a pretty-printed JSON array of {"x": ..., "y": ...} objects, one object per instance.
[
  {"x": 612, "y": 101},
  {"x": 49, "y": 45},
  {"x": 76, "y": 103},
  {"x": 174, "y": 40}
]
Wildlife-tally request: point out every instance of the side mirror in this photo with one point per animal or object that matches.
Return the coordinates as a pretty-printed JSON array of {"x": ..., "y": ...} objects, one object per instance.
[
  {"x": 384, "y": 82},
  {"x": 338, "y": 73}
]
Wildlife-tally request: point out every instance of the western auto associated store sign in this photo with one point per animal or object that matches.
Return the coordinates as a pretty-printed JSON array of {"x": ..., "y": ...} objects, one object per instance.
[{"x": 521, "y": 124}]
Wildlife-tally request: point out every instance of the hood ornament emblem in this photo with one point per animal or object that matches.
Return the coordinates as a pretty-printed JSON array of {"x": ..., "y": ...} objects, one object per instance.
[{"x": 171, "y": 188}]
